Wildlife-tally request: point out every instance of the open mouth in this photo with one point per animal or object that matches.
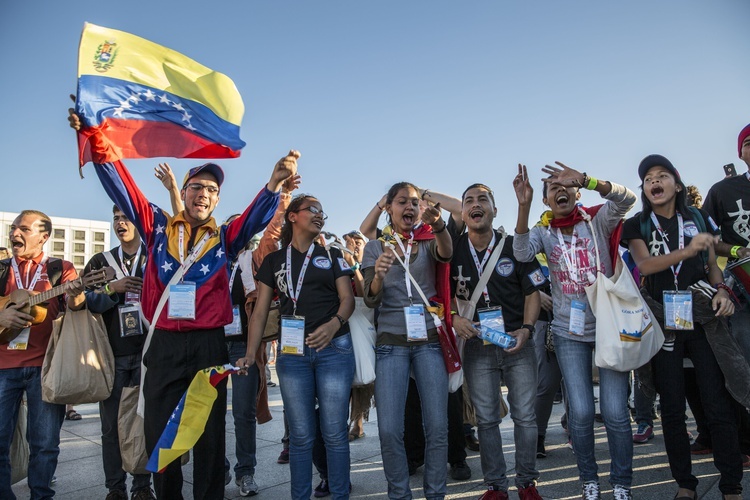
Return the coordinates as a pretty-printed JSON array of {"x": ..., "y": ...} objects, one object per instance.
[
  {"x": 562, "y": 199},
  {"x": 121, "y": 230},
  {"x": 657, "y": 191},
  {"x": 318, "y": 223},
  {"x": 476, "y": 215},
  {"x": 408, "y": 219},
  {"x": 17, "y": 244}
]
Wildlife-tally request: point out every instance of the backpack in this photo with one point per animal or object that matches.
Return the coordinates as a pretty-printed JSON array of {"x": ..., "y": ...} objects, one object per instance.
[
  {"x": 54, "y": 274},
  {"x": 695, "y": 216}
]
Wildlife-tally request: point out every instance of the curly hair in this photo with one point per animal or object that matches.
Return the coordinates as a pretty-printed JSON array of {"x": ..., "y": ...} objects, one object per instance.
[{"x": 694, "y": 197}]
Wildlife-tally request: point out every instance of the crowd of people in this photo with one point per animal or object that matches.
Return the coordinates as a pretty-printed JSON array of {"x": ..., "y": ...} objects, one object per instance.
[{"x": 445, "y": 284}]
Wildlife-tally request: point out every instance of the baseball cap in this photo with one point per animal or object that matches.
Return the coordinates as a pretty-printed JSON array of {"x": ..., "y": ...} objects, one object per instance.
[
  {"x": 743, "y": 135},
  {"x": 211, "y": 168},
  {"x": 656, "y": 161}
]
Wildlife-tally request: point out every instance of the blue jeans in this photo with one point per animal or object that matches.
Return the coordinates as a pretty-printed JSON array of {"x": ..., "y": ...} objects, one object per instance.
[
  {"x": 575, "y": 363},
  {"x": 326, "y": 376},
  {"x": 43, "y": 430},
  {"x": 485, "y": 366},
  {"x": 392, "y": 369},
  {"x": 244, "y": 403}
]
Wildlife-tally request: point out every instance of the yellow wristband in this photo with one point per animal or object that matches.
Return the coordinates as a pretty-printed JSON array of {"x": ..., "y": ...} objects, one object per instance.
[
  {"x": 592, "y": 183},
  {"x": 733, "y": 251}
]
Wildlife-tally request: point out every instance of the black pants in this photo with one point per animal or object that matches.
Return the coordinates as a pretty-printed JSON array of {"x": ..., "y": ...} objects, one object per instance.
[
  {"x": 717, "y": 406},
  {"x": 172, "y": 361},
  {"x": 414, "y": 431}
]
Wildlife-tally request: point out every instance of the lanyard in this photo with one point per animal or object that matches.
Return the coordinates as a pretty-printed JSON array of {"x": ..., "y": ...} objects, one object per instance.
[
  {"x": 196, "y": 249},
  {"x": 407, "y": 253},
  {"x": 294, "y": 294},
  {"x": 235, "y": 265},
  {"x": 571, "y": 259},
  {"x": 133, "y": 266},
  {"x": 480, "y": 265},
  {"x": 17, "y": 273},
  {"x": 681, "y": 244}
]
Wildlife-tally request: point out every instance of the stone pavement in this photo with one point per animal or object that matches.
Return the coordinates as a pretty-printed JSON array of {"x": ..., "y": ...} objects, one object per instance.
[{"x": 80, "y": 476}]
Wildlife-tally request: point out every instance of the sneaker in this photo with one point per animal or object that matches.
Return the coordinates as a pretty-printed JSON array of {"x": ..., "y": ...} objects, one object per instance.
[
  {"x": 622, "y": 493},
  {"x": 472, "y": 442},
  {"x": 283, "y": 457},
  {"x": 227, "y": 477},
  {"x": 590, "y": 491},
  {"x": 247, "y": 485},
  {"x": 494, "y": 493},
  {"x": 541, "y": 452},
  {"x": 321, "y": 490},
  {"x": 460, "y": 471},
  {"x": 698, "y": 448},
  {"x": 143, "y": 494},
  {"x": 644, "y": 433},
  {"x": 529, "y": 492},
  {"x": 117, "y": 495}
]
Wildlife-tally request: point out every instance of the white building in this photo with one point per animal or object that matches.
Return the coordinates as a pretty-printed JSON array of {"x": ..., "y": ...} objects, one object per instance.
[{"x": 75, "y": 240}]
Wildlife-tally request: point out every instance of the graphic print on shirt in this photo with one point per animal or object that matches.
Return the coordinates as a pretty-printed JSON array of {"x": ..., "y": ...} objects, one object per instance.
[
  {"x": 741, "y": 224},
  {"x": 656, "y": 246},
  {"x": 585, "y": 263},
  {"x": 280, "y": 276},
  {"x": 462, "y": 284}
]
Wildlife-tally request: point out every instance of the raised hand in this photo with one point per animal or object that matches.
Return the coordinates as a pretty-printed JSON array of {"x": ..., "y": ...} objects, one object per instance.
[
  {"x": 164, "y": 173},
  {"x": 291, "y": 183},
  {"x": 431, "y": 215},
  {"x": 522, "y": 186},
  {"x": 284, "y": 168},
  {"x": 563, "y": 175}
]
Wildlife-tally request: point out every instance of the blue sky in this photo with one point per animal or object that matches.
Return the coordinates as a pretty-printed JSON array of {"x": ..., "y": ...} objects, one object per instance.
[{"x": 439, "y": 93}]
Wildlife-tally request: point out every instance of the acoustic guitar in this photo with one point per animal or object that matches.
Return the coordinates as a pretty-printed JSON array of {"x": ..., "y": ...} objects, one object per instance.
[{"x": 36, "y": 302}]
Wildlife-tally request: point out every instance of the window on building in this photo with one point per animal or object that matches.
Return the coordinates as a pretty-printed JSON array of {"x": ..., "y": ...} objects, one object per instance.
[
  {"x": 58, "y": 256},
  {"x": 79, "y": 235},
  {"x": 78, "y": 260},
  {"x": 98, "y": 248},
  {"x": 79, "y": 247},
  {"x": 59, "y": 233},
  {"x": 58, "y": 246},
  {"x": 98, "y": 236}
]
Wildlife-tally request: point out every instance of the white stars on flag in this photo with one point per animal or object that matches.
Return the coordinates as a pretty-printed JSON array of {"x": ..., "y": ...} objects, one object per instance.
[
  {"x": 132, "y": 104},
  {"x": 167, "y": 266}
]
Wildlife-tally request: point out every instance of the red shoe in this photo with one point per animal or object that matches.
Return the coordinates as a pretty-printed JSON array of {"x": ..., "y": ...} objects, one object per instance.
[
  {"x": 745, "y": 461},
  {"x": 529, "y": 492},
  {"x": 493, "y": 494}
]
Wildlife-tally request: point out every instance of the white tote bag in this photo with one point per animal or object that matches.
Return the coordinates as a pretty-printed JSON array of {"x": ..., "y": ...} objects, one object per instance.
[
  {"x": 627, "y": 335},
  {"x": 363, "y": 341}
]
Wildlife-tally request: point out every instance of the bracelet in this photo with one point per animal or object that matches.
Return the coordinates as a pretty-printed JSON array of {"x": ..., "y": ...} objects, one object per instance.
[
  {"x": 424, "y": 193},
  {"x": 341, "y": 320},
  {"x": 585, "y": 180},
  {"x": 723, "y": 286},
  {"x": 355, "y": 267},
  {"x": 441, "y": 229},
  {"x": 733, "y": 251},
  {"x": 592, "y": 183},
  {"x": 379, "y": 207},
  {"x": 453, "y": 312},
  {"x": 529, "y": 327},
  {"x": 108, "y": 289}
]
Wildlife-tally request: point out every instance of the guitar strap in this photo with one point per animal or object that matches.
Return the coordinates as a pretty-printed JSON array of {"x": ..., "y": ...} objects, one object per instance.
[{"x": 54, "y": 273}]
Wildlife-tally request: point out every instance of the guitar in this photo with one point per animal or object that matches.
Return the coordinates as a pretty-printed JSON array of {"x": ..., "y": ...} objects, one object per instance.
[{"x": 36, "y": 302}]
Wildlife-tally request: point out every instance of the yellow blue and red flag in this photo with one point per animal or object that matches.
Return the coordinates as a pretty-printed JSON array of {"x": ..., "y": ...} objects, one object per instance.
[
  {"x": 188, "y": 421},
  {"x": 150, "y": 101}
]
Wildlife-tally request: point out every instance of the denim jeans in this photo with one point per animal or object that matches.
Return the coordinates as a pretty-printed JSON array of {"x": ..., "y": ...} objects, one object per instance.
[
  {"x": 484, "y": 368},
  {"x": 244, "y": 401},
  {"x": 43, "y": 430},
  {"x": 549, "y": 378},
  {"x": 392, "y": 369},
  {"x": 127, "y": 374},
  {"x": 575, "y": 362},
  {"x": 325, "y": 376}
]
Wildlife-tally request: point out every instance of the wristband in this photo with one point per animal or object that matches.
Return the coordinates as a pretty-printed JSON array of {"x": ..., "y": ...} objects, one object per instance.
[
  {"x": 733, "y": 251},
  {"x": 529, "y": 327},
  {"x": 108, "y": 289},
  {"x": 441, "y": 229},
  {"x": 592, "y": 183},
  {"x": 341, "y": 320},
  {"x": 379, "y": 207},
  {"x": 723, "y": 286},
  {"x": 355, "y": 267},
  {"x": 424, "y": 193}
]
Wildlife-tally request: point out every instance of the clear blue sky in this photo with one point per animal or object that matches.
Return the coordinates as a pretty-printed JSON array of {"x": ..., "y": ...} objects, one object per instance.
[{"x": 440, "y": 93}]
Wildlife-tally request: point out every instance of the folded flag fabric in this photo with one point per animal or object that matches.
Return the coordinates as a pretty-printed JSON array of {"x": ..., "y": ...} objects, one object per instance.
[
  {"x": 150, "y": 101},
  {"x": 188, "y": 421}
]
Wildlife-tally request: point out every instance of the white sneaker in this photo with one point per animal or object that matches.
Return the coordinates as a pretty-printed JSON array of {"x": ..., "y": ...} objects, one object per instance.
[
  {"x": 622, "y": 493},
  {"x": 247, "y": 485},
  {"x": 591, "y": 491}
]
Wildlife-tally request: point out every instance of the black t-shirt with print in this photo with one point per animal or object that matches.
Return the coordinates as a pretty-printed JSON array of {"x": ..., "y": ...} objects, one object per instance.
[
  {"x": 318, "y": 301},
  {"x": 510, "y": 283},
  {"x": 728, "y": 203},
  {"x": 692, "y": 269}
]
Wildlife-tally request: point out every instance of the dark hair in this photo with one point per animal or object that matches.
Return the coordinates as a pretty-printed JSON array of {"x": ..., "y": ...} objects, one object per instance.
[
  {"x": 544, "y": 188},
  {"x": 680, "y": 201},
  {"x": 479, "y": 185},
  {"x": 393, "y": 191},
  {"x": 694, "y": 197},
  {"x": 294, "y": 206},
  {"x": 44, "y": 220}
]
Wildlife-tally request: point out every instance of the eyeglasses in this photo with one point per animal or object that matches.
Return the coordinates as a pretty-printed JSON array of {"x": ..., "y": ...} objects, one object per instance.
[
  {"x": 197, "y": 188},
  {"x": 315, "y": 211}
]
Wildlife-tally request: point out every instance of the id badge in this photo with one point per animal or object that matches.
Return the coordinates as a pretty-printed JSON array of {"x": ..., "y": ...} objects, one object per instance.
[
  {"x": 678, "y": 310},
  {"x": 293, "y": 335},
  {"x": 416, "y": 325},
  {"x": 577, "y": 318},
  {"x": 130, "y": 320},
  {"x": 235, "y": 327},
  {"x": 20, "y": 343},
  {"x": 182, "y": 301},
  {"x": 492, "y": 328},
  {"x": 132, "y": 297}
]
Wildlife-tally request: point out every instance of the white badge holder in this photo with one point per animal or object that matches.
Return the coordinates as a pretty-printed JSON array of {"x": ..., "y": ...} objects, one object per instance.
[
  {"x": 293, "y": 335},
  {"x": 678, "y": 310},
  {"x": 416, "y": 324},
  {"x": 20, "y": 343},
  {"x": 235, "y": 327},
  {"x": 182, "y": 301},
  {"x": 577, "y": 318}
]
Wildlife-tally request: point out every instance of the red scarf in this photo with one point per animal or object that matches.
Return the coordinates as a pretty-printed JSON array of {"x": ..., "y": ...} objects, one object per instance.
[{"x": 576, "y": 216}]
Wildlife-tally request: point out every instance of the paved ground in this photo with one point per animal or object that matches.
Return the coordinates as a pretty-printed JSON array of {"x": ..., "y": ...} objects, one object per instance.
[{"x": 80, "y": 476}]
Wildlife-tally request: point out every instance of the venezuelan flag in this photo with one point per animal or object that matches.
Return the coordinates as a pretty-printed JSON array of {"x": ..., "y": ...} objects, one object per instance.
[
  {"x": 150, "y": 101},
  {"x": 188, "y": 421}
]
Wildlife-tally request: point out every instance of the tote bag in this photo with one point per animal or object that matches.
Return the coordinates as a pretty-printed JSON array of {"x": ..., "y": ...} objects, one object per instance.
[
  {"x": 363, "y": 342},
  {"x": 130, "y": 433}
]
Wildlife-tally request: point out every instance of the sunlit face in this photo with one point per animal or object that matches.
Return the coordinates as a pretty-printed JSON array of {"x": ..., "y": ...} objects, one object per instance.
[
  {"x": 660, "y": 186},
  {"x": 308, "y": 217},
  {"x": 27, "y": 236},
  {"x": 356, "y": 246},
  {"x": 404, "y": 209},
  {"x": 477, "y": 209},
  {"x": 200, "y": 196},
  {"x": 560, "y": 199},
  {"x": 124, "y": 228}
]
